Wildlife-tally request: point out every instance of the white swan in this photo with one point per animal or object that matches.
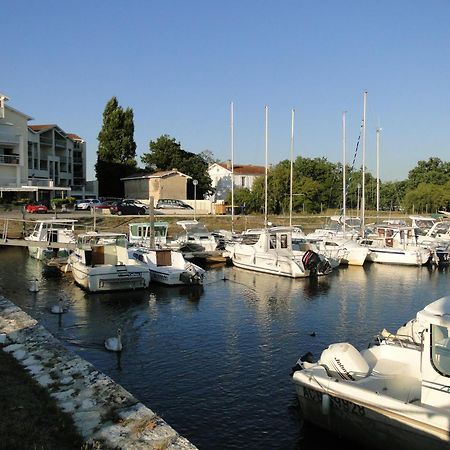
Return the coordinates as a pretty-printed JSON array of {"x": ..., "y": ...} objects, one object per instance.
[
  {"x": 114, "y": 344},
  {"x": 34, "y": 285},
  {"x": 59, "y": 308}
]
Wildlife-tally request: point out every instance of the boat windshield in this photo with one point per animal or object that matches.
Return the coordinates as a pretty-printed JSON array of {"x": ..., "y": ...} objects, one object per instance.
[
  {"x": 439, "y": 228},
  {"x": 250, "y": 239},
  {"x": 440, "y": 349}
]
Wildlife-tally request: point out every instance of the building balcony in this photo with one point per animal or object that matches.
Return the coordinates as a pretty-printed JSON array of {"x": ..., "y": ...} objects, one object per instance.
[
  {"x": 60, "y": 143},
  {"x": 10, "y": 159},
  {"x": 46, "y": 140}
]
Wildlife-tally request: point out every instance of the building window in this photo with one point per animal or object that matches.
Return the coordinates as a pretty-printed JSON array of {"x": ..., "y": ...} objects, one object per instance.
[{"x": 243, "y": 181}]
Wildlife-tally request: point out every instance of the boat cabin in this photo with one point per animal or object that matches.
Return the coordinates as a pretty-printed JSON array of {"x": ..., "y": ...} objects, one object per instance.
[
  {"x": 52, "y": 230},
  {"x": 141, "y": 233},
  {"x": 435, "y": 320},
  {"x": 103, "y": 249},
  {"x": 276, "y": 238}
]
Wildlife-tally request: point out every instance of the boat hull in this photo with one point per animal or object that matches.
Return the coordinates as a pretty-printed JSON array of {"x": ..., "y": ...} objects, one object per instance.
[
  {"x": 113, "y": 278},
  {"x": 371, "y": 427},
  {"x": 286, "y": 268},
  {"x": 399, "y": 257},
  {"x": 174, "y": 278},
  {"x": 355, "y": 257}
]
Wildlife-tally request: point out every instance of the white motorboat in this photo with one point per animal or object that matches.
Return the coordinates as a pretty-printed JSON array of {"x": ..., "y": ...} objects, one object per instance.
[
  {"x": 100, "y": 263},
  {"x": 438, "y": 239},
  {"x": 396, "y": 244},
  {"x": 196, "y": 241},
  {"x": 340, "y": 238},
  {"x": 332, "y": 253},
  {"x": 168, "y": 267},
  {"x": 270, "y": 250},
  {"x": 393, "y": 395},
  {"x": 55, "y": 233},
  {"x": 422, "y": 224}
]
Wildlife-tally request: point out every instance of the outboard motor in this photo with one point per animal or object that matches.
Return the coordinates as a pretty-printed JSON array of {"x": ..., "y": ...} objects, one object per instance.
[{"x": 311, "y": 261}]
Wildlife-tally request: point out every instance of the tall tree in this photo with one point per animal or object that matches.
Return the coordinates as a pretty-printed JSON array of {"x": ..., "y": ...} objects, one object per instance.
[{"x": 116, "y": 154}]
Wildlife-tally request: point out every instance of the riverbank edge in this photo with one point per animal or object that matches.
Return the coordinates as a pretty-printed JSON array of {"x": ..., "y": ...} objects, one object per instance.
[{"x": 102, "y": 410}]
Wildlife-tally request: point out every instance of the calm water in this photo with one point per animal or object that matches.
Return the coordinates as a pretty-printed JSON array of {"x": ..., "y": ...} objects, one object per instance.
[{"x": 215, "y": 362}]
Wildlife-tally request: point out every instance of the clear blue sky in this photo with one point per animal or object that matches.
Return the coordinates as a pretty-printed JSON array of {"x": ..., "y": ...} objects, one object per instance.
[{"x": 178, "y": 64}]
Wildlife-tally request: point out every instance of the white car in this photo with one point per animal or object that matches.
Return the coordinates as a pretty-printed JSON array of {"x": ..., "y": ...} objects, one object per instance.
[{"x": 86, "y": 204}]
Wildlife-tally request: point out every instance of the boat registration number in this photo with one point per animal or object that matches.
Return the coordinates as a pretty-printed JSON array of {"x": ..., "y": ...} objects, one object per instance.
[{"x": 340, "y": 403}]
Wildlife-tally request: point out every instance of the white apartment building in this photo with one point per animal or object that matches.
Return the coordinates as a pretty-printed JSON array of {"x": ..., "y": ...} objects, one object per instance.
[
  {"x": 42, "y": 159},
  {"x": 243, "y": 176}
]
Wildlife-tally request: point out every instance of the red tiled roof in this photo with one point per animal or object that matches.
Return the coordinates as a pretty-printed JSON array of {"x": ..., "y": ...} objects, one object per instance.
[
  {"x": 41, "y": 127},
  {"x": 246, "y": 169},
  {"x": 74, "y": 136}
]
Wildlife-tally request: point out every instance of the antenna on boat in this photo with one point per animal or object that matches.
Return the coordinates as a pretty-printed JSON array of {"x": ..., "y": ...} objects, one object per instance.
[
  {"x": 266, "y": 148},
  {"x": 292, "y": 166},
  {"x": 232, "y": 166},
  {"x": 363, "y": 195},
  {"x": 344, "y": 188}
]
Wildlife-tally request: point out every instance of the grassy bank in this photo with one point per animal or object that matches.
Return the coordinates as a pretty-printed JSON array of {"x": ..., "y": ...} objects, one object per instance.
[
  {"x": 18, "y": 228},
  {"x": 30, "y": 418}
]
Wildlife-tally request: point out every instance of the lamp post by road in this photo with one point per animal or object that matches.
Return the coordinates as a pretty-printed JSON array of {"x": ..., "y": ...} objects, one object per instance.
[{"x": 195, "y": 182}]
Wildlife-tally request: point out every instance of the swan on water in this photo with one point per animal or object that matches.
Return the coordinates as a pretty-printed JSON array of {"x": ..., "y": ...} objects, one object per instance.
[
  {"x": 34, "y": 285},
  {"x": 114, "y": 344}
]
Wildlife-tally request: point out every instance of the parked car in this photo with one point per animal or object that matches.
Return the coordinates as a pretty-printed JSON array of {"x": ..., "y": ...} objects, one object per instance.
[
  {"x": 86, "y": 204},
  {"x": 104, "y": 205},
  {"x": 129, "y": 206},
  {"x": 172, "y": 203},
  {"x": 36, "y": 208}
]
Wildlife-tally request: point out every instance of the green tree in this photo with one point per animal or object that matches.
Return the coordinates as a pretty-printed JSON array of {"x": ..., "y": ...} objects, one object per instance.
[
  {"x": 166, "y": 154},
  {"x": 116, "y": 149},
  {"x": 116, "y": 138},
  {"x": 427, "y": 197},
  {"x": 392, "y": 194},
  {"x": 434, "y": 171}
]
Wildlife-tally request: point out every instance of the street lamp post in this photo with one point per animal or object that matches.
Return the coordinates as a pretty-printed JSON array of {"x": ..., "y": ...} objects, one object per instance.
[{"x": 195, "y": 182}]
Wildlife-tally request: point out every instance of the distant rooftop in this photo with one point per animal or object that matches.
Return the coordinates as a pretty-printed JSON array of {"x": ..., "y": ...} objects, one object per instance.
[{"x": 244, "y": 169}]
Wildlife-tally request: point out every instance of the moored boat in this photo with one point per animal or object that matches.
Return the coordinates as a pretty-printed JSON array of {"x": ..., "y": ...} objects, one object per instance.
[
  {"x": 270, "y": 250},
  {"x": 100, "y": 263},
  {"x": 53, "y": 232},
  {"x": 168, "y": 267},
  {"x": 397, "y": 391}
]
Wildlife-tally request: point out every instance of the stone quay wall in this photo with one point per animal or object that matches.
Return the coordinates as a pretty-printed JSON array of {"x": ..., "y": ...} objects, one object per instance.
[{"x": 102, "y": 410}]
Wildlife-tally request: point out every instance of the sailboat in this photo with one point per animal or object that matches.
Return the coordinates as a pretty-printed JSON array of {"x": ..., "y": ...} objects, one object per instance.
[
  {"x": 392, "y": 243},
  {"x": 341, "y": 237},
  {"x": 270, "y": 249}
]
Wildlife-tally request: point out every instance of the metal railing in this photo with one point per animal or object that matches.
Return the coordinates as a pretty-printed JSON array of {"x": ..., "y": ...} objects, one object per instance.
[{"x": 9, "y": 159}]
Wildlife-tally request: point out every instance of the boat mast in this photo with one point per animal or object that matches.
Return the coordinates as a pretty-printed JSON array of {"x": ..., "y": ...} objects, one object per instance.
[
  {"x": 292, "y": 166},
  {"x": 344, "y": 187},
  {"x": 266, "y": 151},
  {"x": 232, "y": 166},
  {"x": 363, "y": 195},
  {"x": 378, "y": 170}
]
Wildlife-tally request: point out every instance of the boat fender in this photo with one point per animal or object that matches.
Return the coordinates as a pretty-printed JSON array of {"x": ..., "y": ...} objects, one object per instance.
[{"x": 325, "y": 404}]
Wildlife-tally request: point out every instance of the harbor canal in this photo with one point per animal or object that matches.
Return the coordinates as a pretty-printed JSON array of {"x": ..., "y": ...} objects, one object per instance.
[{"x": 214, "y": 361}]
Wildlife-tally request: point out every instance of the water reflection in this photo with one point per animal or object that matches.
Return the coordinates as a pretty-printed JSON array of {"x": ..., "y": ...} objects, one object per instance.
[{"x": 215, "y": 361}]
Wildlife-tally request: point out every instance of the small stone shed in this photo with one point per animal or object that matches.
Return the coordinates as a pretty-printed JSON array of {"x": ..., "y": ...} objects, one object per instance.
[{"x": 163, "y": 184}]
